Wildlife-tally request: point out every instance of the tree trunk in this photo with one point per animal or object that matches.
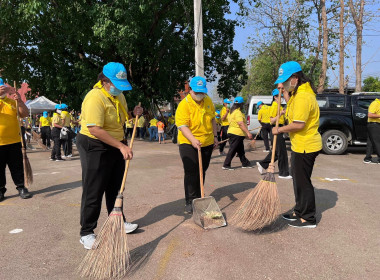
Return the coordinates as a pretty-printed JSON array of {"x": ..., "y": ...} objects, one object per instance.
[
  {"x": 322, "y": 76},
  {"x": 341, "y": 48},
  {"x": 319, "y": 42},
  {"x": 358, "y": 20}
]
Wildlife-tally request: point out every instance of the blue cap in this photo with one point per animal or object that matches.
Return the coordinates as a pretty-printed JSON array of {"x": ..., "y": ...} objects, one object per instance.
[
  {"x": 45, "y": 114},
  {"x": 1, "y": 82},
  {"x": 117, "y": 73},
  {"x": 239, "y": 100},
  {"x": 275, "y": 92},
  {"x": 286, "y": 70},
  {"x": 227, "y": 101},
  {"x": 64, "y": 106},
  {"x": 198, "y": 84},
  {"x": 58, "y": 107},
  {"x": 259, "y": 103}
]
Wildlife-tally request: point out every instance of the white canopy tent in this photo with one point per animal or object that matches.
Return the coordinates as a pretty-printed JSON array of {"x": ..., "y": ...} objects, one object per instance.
[{"x": 40, "y": 104}]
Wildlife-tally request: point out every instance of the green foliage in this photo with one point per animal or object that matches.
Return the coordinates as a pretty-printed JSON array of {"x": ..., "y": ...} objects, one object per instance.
[
  {"x": 59, "y": 47},
  {"x": 371, "y": 84}
]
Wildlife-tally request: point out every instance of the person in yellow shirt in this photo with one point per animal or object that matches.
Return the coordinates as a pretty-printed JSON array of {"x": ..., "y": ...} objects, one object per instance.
[
  {"x": 141, "y": 127},
  {"x": 195, "y": 119},
  {"x": 57, "y": 124},
  {"x": 102, "y": 148},
  {"x": 264, "y": 119},
  {"x": 10, "y": 140},
  {"x": 44, "y": 127},
  {"x": 153, "y": 132},
  {"x": 373, "y": 130},
  {"x": 224, "y": 115},
  {"x": 281, "y": 153},
  {"x": 237, "y": 131},
  {"x": 67, "y": 144},
  {"x": 129, "y": 124},
  {"x": 302, "y": 114}
]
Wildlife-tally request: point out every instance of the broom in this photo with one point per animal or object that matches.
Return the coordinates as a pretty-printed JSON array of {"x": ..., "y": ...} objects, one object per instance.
[
  {"x": 252, "y": 144},
  {"x": 109, "y": 256},
  {"x": 37, "y": 138},
  {"x": 262, "y": 206},
  {"x": 28, "y": 173}
]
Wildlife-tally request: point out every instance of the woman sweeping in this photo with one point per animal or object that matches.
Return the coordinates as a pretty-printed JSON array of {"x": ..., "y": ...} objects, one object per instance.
[
  {"x": 195, "y": 119},
  {"x": 101, "y": 147},
  {"x": 237, "y": 131},
  {"x": 302, "y": 113}
]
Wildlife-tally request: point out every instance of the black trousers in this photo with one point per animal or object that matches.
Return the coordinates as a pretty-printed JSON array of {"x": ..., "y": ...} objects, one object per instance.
[
  {"x": 11, "y": 155},
  {"x": 102, "y": 173},
  {"x": 266, "y": 132},
  {"x": 67, "y": 145},
  {"x": 129, "y": 132},
  {"x": 189, "y": 156},
  {"x": 46, "y": 135},
  {"x": 374, "y": 136},
  {"x": 236, "y": 146},
  {"x": 302, "y": 168},
  {"x": 281, "y": 155},
  {"x": 224, "y": 137},
  {"x": 56, "y": 151}
]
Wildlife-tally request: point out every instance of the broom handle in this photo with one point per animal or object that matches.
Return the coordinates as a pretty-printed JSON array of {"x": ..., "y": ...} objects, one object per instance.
[
  {"x": 255, "y": 129},
  {"x": 131, "y": 146},
  {"x": 201, "y": 173},
  {"x": 257, "y": 133},
  {"x": 18, "y": 119},
  {"x": 277, "y": 123}
]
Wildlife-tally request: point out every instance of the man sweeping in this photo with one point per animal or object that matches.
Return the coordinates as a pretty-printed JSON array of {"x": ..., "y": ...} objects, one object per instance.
[{"x": 10, "y": 139}]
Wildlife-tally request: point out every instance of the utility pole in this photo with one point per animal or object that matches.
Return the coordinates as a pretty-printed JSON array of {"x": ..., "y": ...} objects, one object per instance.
[{"x": 198, "y": 30}]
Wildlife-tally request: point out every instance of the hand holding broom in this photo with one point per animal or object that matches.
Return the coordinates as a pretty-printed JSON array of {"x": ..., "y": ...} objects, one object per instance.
[
  {"x": 109, "y": 257},
  {"x": 262, "y": 205}
]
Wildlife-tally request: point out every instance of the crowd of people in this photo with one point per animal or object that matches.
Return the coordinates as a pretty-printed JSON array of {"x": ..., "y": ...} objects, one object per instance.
[{"x": 104, "y": 125}]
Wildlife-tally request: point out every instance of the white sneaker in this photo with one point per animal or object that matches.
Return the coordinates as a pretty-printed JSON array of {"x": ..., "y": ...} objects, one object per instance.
[
  {"x": 87, "y": 241},
  {"x": 266, "y": 151},
  {"x": 129, "y": 227},
  {"x": 70, "y": 155},
  {"x": 285, "y": 177},
  {"x": 260, "y": 168},
  {"x": 63, "y": 156}
]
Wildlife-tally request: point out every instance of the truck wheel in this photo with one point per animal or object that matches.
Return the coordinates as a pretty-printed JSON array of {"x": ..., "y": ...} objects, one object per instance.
[{"x": 334, "y": 142}]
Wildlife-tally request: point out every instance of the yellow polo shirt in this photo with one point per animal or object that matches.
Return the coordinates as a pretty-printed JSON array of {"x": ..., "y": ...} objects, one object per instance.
[
  {"x": 99, "y": 109},
  {"x": 56, "y": 119},
  {"x": 45, "y": 121},
  {"x": 264, "y": 114},
  {"x": 273, "y": 112},
  {"x": 9, "y": 126},
  {"x": 66, "y": 119},
  {"x": 374, "y": 108},
  {"x": 303, "y": 107},
  {"x": 235, "y": 117},
  {"x": 222, "y": 113},
  {"x": 129, "y": 123},
  {"x": 198, "y": 118},
  {"x": 171, "y": 120},
  {"x": 153, "y": 122},
  {"x": 140, "y": 121}
]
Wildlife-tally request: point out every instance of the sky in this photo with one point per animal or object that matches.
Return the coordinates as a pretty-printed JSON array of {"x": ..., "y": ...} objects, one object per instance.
[{"x": 370, "y": 51}]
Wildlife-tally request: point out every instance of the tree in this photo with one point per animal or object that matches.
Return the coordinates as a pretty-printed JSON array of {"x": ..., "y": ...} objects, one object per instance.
[
  {"x": 371, "y": 84},
  {"x": 341, "y": 47},
  {"x": 60, "y": 46},
  {"x": 322, "y": 76},
  {"x": 357, "y": 15}
]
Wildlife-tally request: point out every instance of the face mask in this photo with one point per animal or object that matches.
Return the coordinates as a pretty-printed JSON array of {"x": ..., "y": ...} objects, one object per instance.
[
  {"x": 59, "y": 111},
  {"x": 198, "y": 97},
  {"x": 3, "y": 96},
  {"x": 288, "y": 86},
  {"x": 114, "y": 91}
]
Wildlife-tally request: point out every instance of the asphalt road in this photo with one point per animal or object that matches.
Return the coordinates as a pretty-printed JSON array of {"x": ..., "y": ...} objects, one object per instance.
[{"x": 168, "y": 245}]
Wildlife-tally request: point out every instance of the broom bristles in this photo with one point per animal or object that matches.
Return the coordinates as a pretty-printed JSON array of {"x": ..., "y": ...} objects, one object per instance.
[
  {"x": 28, "y": 173},
  {"x": 260, "y": 208},
  {"x": 109, "y": 256}
]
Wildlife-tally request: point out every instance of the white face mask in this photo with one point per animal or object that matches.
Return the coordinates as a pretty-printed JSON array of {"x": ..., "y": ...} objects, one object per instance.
[
  {"x": 288, "y": 86},
  {"x": 59, "y": 111},
  {"x": 198, "y": 97}
]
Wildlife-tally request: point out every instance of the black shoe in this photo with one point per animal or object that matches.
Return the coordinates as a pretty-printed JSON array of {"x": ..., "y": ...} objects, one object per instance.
[
  {"x": 290, "y": 217},
  {"x": 24, "y": 193},
  {"x": 188, "y": 209},
  {"x": 2, "y": 192},
  {"x": 299, "y": 224}
]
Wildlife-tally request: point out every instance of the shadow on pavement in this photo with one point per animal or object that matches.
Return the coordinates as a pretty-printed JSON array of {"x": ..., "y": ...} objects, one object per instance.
[
  {"x": 57, "y": 189},
  {"x": 325, "y": 200},
  {"x": 141, "y": 255}
]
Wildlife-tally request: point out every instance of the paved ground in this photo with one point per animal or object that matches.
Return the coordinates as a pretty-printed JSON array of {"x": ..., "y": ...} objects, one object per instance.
[{"x": 345, "y": 245}]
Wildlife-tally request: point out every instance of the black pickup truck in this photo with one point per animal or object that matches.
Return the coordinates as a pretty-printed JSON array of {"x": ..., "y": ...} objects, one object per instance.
[{"x": 343, "y": 120}]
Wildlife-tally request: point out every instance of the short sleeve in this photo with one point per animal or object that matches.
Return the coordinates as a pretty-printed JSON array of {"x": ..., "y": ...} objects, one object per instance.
[
  {"x": 301, "y": 109},
  {"x": 182, "y": 116},
  {"x": 93, "y": 111}
]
